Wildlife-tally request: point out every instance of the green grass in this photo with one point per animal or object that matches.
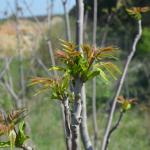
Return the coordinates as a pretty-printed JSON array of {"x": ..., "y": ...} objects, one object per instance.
[
  {"x": 47, "y": 132},
  {"x": 46, "y": 124}
]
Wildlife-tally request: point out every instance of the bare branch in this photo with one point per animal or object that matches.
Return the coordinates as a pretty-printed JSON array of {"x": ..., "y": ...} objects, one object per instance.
[
  {"x": 15, "y": 97},
  {"x": 125, "y": 70},
  {"x": 35, "y": 18},
  {"x": 67, "y": 21},
  {"x": 114, "y": 128},
  {"x": 51, "y": 53},
  {"x": 43, "y": 66},
  {"x": 3, "y": 71},
  {"x": 49, "y": 12}
]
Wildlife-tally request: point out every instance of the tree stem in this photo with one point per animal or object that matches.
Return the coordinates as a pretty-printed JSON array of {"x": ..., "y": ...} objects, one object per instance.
[{"x": 125, "y": 70}]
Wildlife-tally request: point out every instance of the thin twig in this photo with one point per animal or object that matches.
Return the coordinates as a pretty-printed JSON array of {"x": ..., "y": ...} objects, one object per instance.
[
  {"x": 43, "y": 66},
  {"x": 6, "y": 66},
  {"x": 67, "y": 21},
  {"x": 125, "y": 70},
  {"x": 12, "y": 93},
  {"x": 114, "y": 128},
  {"x": 21, "y": 69}
]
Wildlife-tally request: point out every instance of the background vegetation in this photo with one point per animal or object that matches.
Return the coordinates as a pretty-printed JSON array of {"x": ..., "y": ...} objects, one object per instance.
[{"x": 44, "y": 119}]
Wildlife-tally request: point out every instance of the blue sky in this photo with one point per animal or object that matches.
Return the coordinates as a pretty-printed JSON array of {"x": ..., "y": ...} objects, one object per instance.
[{"x": 39, "y": 7}]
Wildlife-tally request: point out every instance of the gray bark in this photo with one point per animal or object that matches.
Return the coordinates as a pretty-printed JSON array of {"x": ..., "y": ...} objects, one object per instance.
[
  {"x": 76, "y": 115},
  {"x": 83, "y": 126},
  {"x": 16, "y": 99},
  {"x": 67, "y": 123},
  {"x": 5, "y": 68},
  {"x": 41, "y": 63},
  {"x": 79, "y": 23},
  {"x": 125, "y": 70},
  {"x": 114, "y": 128},
  {"x": 81, "y": 90}
]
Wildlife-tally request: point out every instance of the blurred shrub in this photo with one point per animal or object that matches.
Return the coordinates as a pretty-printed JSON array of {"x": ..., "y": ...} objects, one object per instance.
[{"x": 144, "y": 45}]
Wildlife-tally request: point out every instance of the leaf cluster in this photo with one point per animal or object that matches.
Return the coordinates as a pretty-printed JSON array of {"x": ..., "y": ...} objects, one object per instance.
[
  {"x": 58, "y": 86},
  {"x": 8, "y": 128},
  {"x": 88, "y": 63},
  {"x": 136, "y": 12},
  {"x": 126, "y": 103},
  {"x": 85, "y": 65}
]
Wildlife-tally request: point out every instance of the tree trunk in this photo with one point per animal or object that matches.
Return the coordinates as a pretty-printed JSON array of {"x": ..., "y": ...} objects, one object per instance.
[
  {"x": 76, "y": 116},
  {"x": 83, "y": 126}
]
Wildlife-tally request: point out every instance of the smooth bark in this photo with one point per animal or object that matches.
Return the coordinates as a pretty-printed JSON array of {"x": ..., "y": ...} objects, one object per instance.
[
  {"x": 81, "y": 107},
  {"x": 67, "y": 123},
  {"x": 114, "y": 128},
  {"x": 76, "y": 115},
  {"x": 83, "y": 126},
  {"x": 79, "y": 22}
]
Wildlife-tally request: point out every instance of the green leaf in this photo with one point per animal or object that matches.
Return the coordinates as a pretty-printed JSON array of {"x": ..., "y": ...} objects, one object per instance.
[
  {"x": 21, "y": 136},
  {"x": 54, "y": 95},
  {"x": 126, "y": 106},
  {"x": 4, "y": 144},
  {"x": 12, "y": 138},
  {"x": 103, "y": 75},
  {"x": 67, "y": 46},
  {"x": 65, "y": 83},
  {"x": 103, "y": 56},
  {"x": 41, "y": 91},
  {"x": 111, "y": 68},
  {"x": 92, "y": 74},
  {"x": 115, "y": 68},
  {"x": 110, "y": 71},
  {"x": 57, "y": 68}
]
